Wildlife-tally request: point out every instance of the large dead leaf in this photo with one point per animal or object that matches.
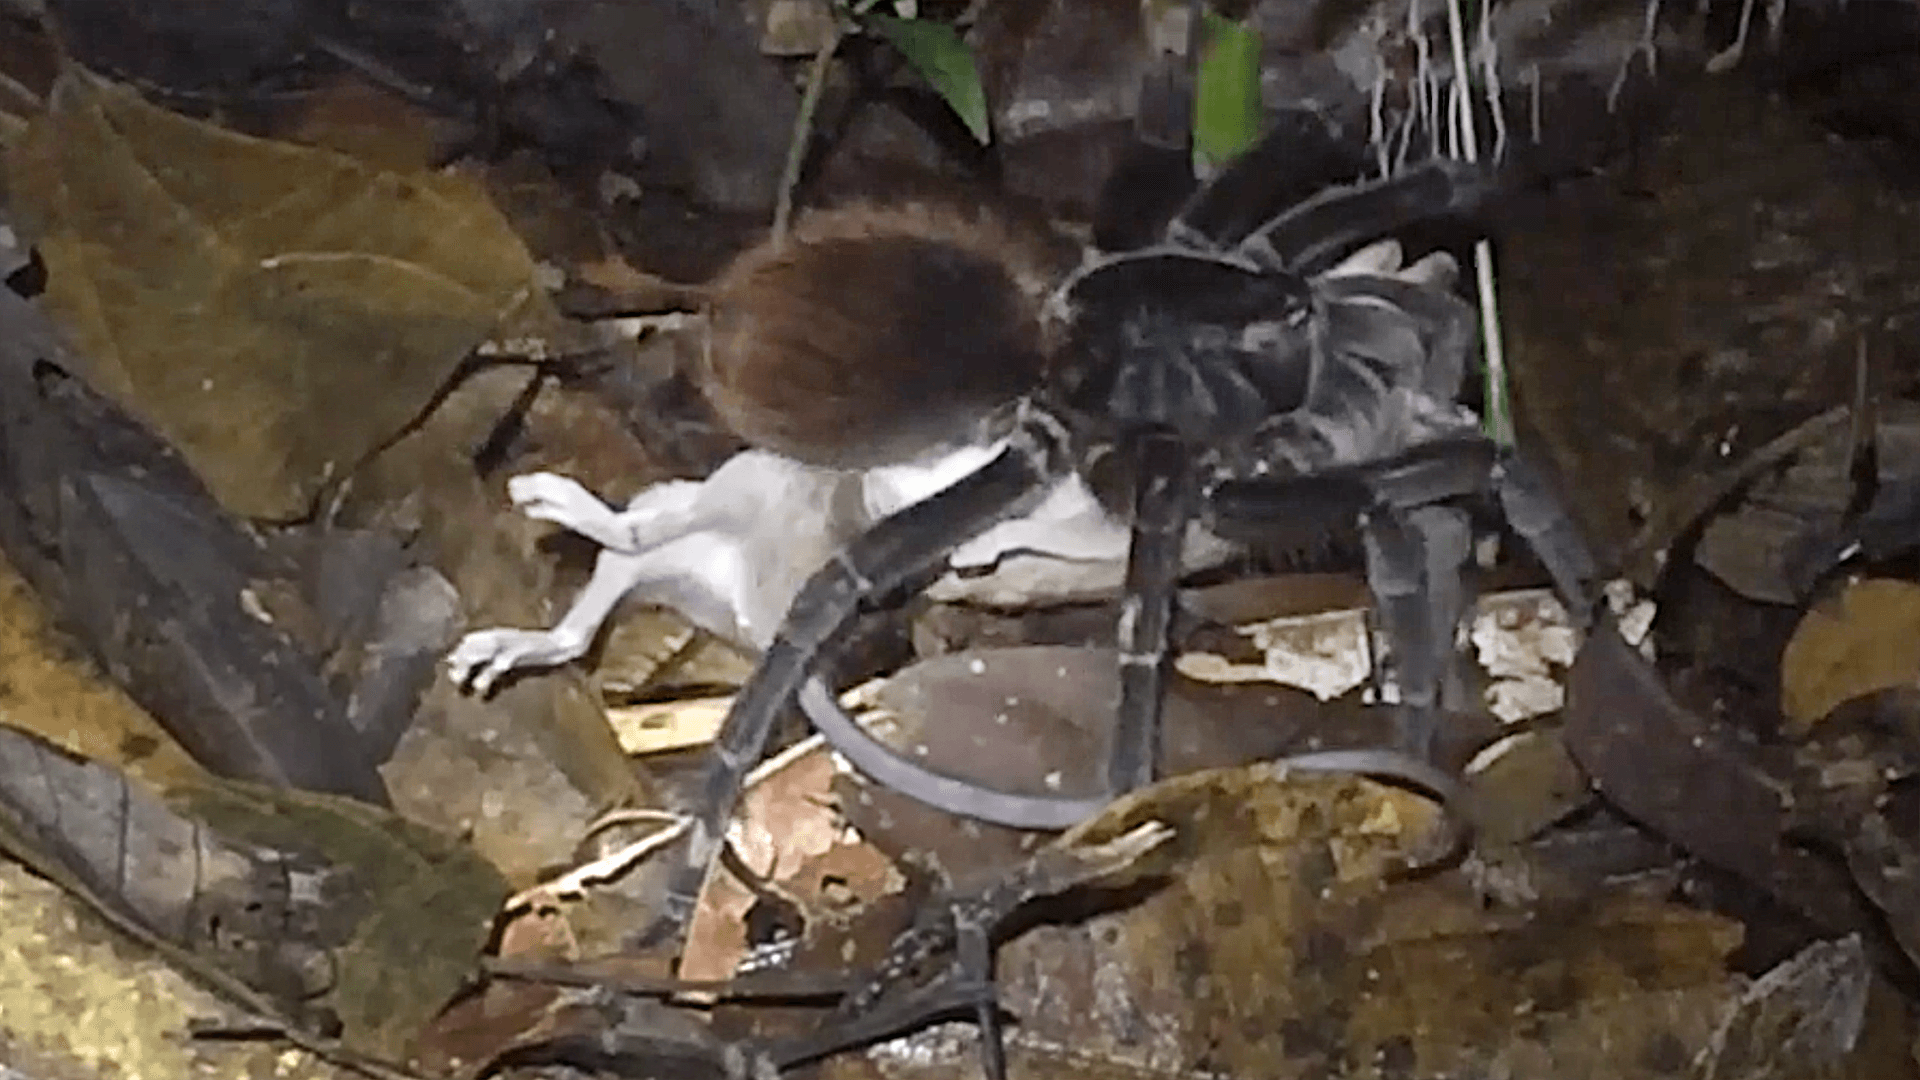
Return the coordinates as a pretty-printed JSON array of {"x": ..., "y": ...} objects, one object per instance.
[
  {"x": 1282, "y": 946},
  {"x": 275, "y": 311},
  {"x": 1865, "y": 639}
]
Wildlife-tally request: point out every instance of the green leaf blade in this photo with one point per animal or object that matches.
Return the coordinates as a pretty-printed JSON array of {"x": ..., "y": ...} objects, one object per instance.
[
  {"x": 942, "y": 57},
  {"x": 1227, "y": 111}
]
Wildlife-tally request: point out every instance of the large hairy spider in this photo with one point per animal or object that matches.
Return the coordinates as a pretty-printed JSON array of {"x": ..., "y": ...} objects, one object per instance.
[
  {"x": 1200, "y": 373},
  {"x": 1211, "y": 372}
]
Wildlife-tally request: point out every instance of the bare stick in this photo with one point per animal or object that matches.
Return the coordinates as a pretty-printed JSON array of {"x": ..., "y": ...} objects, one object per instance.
[{"x": 803, "y": 132}]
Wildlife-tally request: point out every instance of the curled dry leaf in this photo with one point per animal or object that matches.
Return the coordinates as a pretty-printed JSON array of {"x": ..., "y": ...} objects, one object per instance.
[
  {"x": 1797, "y": 517},
  {"x": 276, "y": 311},
  {"x": 1796, "y": 1020},
  {"x": 1864, "y": 639}
]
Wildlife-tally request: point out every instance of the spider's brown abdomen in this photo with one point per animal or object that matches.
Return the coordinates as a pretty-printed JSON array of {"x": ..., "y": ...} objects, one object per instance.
[{"x": 876, "y": 333}]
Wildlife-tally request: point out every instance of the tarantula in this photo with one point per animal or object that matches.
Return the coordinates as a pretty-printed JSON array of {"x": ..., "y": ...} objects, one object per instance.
[{"x": 1199, "y": 370}]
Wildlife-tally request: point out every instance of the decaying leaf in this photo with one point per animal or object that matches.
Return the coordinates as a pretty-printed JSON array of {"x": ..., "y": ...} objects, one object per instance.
[
  {"x": 313, "y": 905},
  {"x": 1866, "y": 638},
  {"x": 1282, "y": 944},
  {"x": 276, "y": 311},
  {"x": 791, "y": 835},
  {"x": 45, "y": 689},
  {"x": 426, "y": 902}
]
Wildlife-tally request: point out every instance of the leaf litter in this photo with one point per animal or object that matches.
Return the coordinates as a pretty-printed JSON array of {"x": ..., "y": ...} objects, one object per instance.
[{"x": 1282, "y": 934}]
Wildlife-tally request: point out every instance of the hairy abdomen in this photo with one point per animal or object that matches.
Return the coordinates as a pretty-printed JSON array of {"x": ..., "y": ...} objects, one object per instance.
[{"x": 876, "y": 334}]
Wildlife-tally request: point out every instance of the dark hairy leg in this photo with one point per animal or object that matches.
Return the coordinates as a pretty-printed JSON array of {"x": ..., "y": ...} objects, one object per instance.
[
  {"x": 876, "y": 564},
  {"x": 1314, "y": 235},
  {"x": 1297, "y": 158},
  {"x": 1164, "y": 493},
  {"x": 1416, "y": 546},
  {"x": 1414, "y": 558}
]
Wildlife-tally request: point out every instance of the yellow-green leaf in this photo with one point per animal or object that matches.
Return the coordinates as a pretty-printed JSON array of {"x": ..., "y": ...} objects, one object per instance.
[{"x": 1227, "y": 103}]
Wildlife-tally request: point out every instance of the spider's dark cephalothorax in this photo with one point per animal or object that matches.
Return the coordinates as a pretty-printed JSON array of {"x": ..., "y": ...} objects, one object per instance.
[{"x": 1217, "y": 372}]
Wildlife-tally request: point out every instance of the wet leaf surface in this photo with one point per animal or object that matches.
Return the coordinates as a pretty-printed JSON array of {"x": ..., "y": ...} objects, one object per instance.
[{"x": 324, "y": 908}]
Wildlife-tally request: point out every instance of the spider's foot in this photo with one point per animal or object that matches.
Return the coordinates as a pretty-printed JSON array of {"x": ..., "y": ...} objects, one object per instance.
[
  {"x": 483, "y": 657},
  {"x": 564, "y": 502}
]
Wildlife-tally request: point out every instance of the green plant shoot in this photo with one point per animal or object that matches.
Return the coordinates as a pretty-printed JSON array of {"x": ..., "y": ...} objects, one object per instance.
[{"x": 1227, "y": 114}]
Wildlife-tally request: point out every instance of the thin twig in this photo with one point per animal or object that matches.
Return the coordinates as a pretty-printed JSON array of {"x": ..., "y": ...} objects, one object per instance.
[
  {"x": 785, "y": 985},
  {"x": 803, "y": 133}
]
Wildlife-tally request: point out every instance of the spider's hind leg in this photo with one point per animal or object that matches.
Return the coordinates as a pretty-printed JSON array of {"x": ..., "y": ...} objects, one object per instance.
[
  {"x": 1536, "y": 514},
  {"x": 1299, "y": 156},
  {"x": 1313, "y": 235},
  {"x": 1416, "y": 545}
]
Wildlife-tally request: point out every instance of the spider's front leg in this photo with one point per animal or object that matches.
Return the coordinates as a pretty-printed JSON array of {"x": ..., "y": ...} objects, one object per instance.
[
  {"x": 896, "y": 552},
  {"x": 1164, "y": 493}
]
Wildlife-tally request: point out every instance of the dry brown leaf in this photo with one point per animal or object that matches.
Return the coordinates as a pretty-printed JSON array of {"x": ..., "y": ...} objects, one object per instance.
[
  {"x": 637, "y": 288},
  {"x": 1282, "y": 948},
  {"x": 374, "y": 125},
  {"x": 668, "y": 725},
  {"x": 1867, "y": 638},
  {"x": 275, "y": 311},
  {"x": 791, "y": 834}
]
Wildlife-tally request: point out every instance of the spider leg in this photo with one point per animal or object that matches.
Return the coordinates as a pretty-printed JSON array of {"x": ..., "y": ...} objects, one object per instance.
[
  {"x": 1416, "y": 545},
  {"x": 1164, "y": 495},
  {"x": 1295, "y": 160},
  {"x": 896, "y": 551},
  {"x": 1414, "y": 558},
  {"x": 1154, "y": 174},
  {"x": 1537, "y": 516},
  {"x": 974, "y": 947},
  {"x": 1312, "y": 235}
]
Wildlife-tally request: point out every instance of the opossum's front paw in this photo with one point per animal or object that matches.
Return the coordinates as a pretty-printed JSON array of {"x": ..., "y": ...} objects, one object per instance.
[
  {"x": 568, "y": 504},
  {"x": 484, "y": 656}
]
